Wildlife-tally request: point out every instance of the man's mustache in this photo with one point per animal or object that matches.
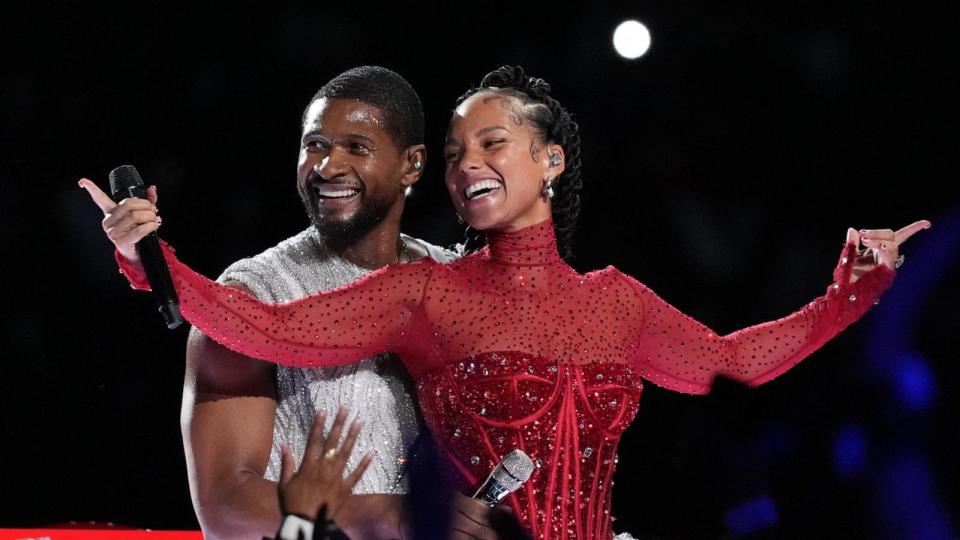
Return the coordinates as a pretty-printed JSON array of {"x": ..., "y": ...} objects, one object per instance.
[{"x": 315, "y": 179}]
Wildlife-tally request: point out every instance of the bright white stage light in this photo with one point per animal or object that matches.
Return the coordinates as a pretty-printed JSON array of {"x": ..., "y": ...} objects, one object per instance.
[{"x": 631, "y": 39}]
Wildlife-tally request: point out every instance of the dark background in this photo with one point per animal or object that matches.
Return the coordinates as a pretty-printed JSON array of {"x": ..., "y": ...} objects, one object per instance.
[{"x": 722, "y": 169}]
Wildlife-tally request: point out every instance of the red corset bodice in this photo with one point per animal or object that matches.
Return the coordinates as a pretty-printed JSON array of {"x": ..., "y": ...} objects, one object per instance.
[{"x": 567, "y": 417}]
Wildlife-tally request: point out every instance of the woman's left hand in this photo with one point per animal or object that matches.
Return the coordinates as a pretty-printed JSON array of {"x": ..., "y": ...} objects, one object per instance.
[
  {"x": 320, "y": 482},
  {"x": 880, "y": 246}
]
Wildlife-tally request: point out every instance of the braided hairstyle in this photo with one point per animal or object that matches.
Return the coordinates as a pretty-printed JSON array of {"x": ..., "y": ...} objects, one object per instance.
[{"x": 554, "y": 125}]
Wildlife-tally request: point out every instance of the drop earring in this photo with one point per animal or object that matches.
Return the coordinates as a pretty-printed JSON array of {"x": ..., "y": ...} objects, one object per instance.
[{"x": 548, "y": 188}]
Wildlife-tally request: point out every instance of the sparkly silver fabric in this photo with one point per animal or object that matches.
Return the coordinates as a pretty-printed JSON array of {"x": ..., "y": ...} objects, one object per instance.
[{"x": 377, "y": 389}]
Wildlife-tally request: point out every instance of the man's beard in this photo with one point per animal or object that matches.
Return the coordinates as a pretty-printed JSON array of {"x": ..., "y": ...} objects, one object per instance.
[{"x": 340, "y": 233}]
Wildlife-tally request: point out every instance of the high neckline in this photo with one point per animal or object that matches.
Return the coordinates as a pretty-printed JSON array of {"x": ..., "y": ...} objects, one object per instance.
[{"x": 531, "y": 246}]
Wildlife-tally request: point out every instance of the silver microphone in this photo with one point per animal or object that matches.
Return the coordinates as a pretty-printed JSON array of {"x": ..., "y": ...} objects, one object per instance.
[{"x": 513, "y": 470}]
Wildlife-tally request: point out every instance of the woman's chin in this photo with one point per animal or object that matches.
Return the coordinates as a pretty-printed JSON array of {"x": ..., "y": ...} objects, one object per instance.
[
  {"x": 496, "y": 221},
  {"x": 480, "y": 224},
  {"x": 483, "y": 221}
]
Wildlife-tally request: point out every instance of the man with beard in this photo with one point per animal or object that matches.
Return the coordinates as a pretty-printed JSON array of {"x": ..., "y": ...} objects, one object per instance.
[{"x": 361, "y": 148}]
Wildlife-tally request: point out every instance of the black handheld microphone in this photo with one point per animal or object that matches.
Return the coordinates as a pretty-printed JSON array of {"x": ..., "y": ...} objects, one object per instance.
[
  {"x": 125, "y": 182},
  {"x": 513, "y": 470}
]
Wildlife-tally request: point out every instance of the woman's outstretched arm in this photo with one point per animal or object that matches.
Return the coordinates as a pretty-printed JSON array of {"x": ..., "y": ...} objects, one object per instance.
[
  {"x": 677, "y": 352},
  {"x": 371, "y": 315}
]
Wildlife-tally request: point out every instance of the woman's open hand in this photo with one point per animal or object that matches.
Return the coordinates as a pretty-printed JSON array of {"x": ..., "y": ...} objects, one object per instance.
[{"x": 319, "y": 481}]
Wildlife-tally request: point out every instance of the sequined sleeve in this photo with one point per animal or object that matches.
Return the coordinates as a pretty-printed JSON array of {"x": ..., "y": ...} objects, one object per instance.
[
  {"x": 341, "y": 326},
  {"x": 677, "y": 352}
]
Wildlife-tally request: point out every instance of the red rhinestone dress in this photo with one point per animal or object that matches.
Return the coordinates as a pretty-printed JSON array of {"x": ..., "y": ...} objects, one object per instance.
[{"x": 512, "y": 348}]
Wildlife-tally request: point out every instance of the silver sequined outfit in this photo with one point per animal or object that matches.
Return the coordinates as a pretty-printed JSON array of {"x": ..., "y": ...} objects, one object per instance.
[{"x": 377, "y": 389}]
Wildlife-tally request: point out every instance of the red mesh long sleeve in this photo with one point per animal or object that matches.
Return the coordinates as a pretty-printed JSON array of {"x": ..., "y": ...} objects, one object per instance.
[
  {"x": 369, "y": 316},
  {"x": 679, "y": 353}
]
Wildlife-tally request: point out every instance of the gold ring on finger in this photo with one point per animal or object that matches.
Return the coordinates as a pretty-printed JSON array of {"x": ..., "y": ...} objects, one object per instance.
[{"x": 330, "y": 454}]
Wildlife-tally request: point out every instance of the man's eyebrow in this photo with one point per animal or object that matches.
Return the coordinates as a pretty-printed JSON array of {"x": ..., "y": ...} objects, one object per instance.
[
  {"x": 353, "y": 136},
  {"x": 359, "y": 136},
  {"x": 312, "y": 133}
]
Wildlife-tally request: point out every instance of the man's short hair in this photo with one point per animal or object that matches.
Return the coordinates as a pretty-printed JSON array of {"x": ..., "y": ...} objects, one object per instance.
[{"x": 385, "y": 90}]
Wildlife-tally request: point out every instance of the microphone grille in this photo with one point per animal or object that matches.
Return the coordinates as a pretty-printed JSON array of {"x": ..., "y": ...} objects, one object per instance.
[
  {"x": 122, "y": 179},
  {"x": 514, "y": 469}
]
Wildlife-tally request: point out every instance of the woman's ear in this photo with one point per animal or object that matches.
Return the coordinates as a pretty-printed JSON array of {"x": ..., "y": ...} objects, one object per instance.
[{"x": 414, "y": 164}]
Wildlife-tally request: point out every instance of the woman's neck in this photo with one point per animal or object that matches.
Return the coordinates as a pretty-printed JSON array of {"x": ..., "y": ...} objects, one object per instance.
[{"x": 530, "y": 246}]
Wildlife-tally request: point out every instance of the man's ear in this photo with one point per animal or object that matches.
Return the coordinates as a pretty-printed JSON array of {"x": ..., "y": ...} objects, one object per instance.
[{"x": 415, "y": 161}]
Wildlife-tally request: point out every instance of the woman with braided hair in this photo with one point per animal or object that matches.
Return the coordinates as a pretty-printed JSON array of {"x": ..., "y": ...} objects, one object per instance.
[
  {"x": 511, "y": 347},
  {"x": 551, "y": 122}
]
